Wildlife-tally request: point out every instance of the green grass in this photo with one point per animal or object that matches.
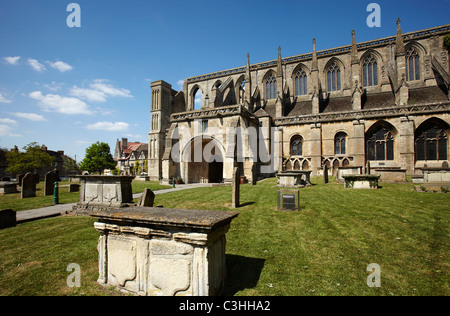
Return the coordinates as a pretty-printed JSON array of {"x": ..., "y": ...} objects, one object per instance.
[
  {"x": 16, "y": 203},
  {"x": 322, "y": 250}
]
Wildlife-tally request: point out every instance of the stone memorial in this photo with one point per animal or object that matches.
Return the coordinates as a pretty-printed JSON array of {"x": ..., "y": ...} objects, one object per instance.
[
  {"x": 7, "y": 187},
  {"x": 361, "y": 181},
  {"x": 100, "y": 192},
  {"x": 147, "y": 198},
  {"x": 162, "y": 252},
  {"x": 19, "y": 178},
  {"x": 7, "y": 218},
  {"x": 294, "y": 179},
  {"x": 49, "y": 184},
  {"x": 236, "y": 187},
  {"x": 325, "y": 174},
  {"x": 288, "y": 200},
  {"x": 74, "y": 187},
  {"x": 28, "y": 186}
]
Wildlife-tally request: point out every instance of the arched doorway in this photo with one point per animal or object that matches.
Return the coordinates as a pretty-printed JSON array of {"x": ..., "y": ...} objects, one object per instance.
[{"x": 203, "y": 161}]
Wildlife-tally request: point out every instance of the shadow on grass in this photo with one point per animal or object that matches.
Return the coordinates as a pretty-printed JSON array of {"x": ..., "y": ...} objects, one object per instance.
[{"x": 242, "y": 273}]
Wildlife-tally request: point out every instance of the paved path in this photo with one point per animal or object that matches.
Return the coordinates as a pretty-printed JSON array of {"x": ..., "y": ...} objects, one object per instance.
[{"x": 56, "y": 210}]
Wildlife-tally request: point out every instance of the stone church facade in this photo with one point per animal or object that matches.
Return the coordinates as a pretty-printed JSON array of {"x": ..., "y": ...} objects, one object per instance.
[{"x": 384, "y": 101}]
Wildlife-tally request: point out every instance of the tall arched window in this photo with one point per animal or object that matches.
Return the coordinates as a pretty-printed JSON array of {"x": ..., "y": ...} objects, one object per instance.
[
  {"x": 301, "y": 83},
  {"x": 271, "y": 88},
  {"x": 370, "y": 71},
  {"x": 431, "y": 143},
  {"x": 412, "y": 65},
  {"x": 296, "y": 146},
  {"x": 339, "y": 143},
  {"x": 380, "y": 144},
  {"x": 334, "y": 78}
]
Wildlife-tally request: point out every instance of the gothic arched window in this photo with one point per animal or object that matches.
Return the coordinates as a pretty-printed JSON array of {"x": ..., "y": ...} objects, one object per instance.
[
  {"x": 339, "y": 143},
  {"x": 370, "y": 71},
  {"x": 431, "y": 143},
  {"x": 301, "y": 84},
  {"x": 271, "y": 88},
  {"x": 334, "y": 78},
  {"x": 380, "y": 144},
  {"x": 412, "y": 65},
  {"x": 296, "y": 146}
]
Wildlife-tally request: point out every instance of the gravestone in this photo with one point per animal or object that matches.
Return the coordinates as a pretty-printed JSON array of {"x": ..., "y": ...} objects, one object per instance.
[
  {"x": 325, "y": 174},
  {"x": 50, "y": 178},
  {"x": 74, "y": 187},
  {"x": 236, "y": 187},
  {"x": 5, "y": 179},
  {"x": 254, "y": 174},
  {"x": 147, "y": 198},
  {"x": 288, "y": 200},
  {"x": 19, "y": 178},
  {"x": 368, "y": 167},
  {"x": 28, "y": 186},
  {"x": 7, "y": 218}
]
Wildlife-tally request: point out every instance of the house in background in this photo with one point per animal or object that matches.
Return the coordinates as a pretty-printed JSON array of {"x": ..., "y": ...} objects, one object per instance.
[{"x": 130, "y": 157}]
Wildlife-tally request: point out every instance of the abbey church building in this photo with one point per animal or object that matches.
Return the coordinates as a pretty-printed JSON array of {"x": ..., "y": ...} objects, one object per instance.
[{"x": 384, "y": 101}]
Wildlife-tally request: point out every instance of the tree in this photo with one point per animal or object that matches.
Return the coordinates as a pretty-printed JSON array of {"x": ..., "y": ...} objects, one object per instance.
[
  {"x": 98, "y": 157},
  {"x": 70, "y": 165},
  {"x": 32, "y": 159},
  {"x": 447, "y": 42}
]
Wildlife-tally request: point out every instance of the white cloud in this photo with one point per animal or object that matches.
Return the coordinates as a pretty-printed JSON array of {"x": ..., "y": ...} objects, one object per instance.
[
  {"x": 88, "y": 94},
  {"x": 36, "y": 65},
  {"x": 180, "y": 84},
  {"x": 30, "y": 116},
  {"x": 99, "y": 91},
  {"x": 110, "y": 90},
  {"x": 12, "y": 60},
  {"x": 60, "y": 65},
  {"x": 3, "y": 99},
  {"x": 60, "y": 104},
  {"x": 109, "y": 126},
  {"x": 7, "y": 121},
  {"x": 4, "y": 130}
]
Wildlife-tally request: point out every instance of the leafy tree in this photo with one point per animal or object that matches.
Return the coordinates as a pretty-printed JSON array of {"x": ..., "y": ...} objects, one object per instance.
[
  {"x": 447, "y": 42},
  {"x": 70, "y": 165},
  {"x": 32, "y": 159},
  {"x": 98, "y": 157}
]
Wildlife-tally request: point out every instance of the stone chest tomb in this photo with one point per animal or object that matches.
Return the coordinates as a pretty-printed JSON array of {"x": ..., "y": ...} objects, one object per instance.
[
  {"x": 98, "y": 192},
  {"x": 162, "y": 252}
]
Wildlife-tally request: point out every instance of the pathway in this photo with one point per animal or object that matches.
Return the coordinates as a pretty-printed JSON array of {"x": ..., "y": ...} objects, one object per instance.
[{"x": 56, "y": 210}]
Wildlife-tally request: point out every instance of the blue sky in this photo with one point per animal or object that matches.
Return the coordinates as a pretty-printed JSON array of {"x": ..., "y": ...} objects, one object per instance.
[{"x": 69, "y": 87}]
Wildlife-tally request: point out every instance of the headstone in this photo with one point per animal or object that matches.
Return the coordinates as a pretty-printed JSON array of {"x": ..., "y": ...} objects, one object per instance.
[
  {"x": 19, "y": 178},
  {"x": 288, "y": 200},
  {"x": 50, "y": 178},
  {"x": 147, "y": 198},
  {"x": 368, "y": 167},
  {"x": 325, "y": 174},
  {"x": 7, "y": 218},
  {"x": 236, "y": 187},
  {"x": 28, "y": 186},
  {"x": 6, "y": 179},
  {"x": 74, "y": 187},
  {"x": 254, "y": 174}
]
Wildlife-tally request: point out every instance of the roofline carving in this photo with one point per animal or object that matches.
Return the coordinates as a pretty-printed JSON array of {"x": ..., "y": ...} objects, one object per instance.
[
  {"x": 444, "y": 29},
  {"x": 416, "y": 109}
]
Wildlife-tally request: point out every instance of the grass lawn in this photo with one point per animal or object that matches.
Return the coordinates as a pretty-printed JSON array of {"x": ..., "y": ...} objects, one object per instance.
[
  {"x": 322, "y": 250},
  {"x": 16, "y": 203}
]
